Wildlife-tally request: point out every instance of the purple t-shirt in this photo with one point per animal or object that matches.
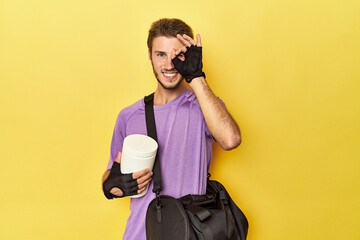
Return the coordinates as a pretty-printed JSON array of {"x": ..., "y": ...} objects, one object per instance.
[{"x": 184, "y": 151}]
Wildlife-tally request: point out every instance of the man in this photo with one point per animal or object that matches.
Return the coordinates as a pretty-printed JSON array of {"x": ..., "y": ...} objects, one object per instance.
[{"x": 187, "y": 122}]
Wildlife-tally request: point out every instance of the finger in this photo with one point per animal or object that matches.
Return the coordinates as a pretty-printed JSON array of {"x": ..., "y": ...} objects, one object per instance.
[
  {"x": 189, "y": 39},
  {"x": 184, "y": 41},
  {"x": 118, "y": 158},
  {"x": 144, "y": 178},
  {"x": 198, "y": 39},
  {"x": 180, "y": 50},
  {"x": 141, "y": 190},
  {"x": 138, "y": 174},
  {"x": 181, "y": 56},
  {"x": 177, "y": 62},
  {"x": 144, "y": 184}
]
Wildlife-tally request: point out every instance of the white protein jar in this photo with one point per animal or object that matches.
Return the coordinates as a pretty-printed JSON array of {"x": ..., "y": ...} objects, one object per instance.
[{"x": 138, "y": 153}]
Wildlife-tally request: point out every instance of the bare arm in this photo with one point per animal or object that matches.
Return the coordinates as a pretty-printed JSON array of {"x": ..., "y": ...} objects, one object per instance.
[{"x": 219, "y": 121}]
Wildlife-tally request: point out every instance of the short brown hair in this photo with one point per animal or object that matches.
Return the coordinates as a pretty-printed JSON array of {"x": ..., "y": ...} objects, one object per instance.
[{"x": 168, "y": 27}]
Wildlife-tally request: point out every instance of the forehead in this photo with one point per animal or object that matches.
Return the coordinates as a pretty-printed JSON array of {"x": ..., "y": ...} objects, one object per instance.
[{"x": 166, "y": 44}]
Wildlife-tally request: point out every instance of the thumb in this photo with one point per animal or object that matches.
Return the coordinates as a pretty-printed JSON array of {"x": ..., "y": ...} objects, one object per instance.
[
  {"x": 198, "y": 39},
  {"x": 118, "y": 158}
]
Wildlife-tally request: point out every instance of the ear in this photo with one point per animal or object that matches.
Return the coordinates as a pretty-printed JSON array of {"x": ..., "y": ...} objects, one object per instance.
[{"x": 149, "y": 53}]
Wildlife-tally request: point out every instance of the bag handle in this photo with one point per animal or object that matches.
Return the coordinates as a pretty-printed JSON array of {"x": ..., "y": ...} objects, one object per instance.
[{"x": 151, "y": 130}]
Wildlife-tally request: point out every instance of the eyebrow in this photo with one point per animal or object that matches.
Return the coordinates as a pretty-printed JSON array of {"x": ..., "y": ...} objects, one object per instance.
[{"x": 160, "y": 52}]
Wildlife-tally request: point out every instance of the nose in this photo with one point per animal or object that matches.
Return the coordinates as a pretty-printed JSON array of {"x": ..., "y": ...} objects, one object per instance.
[{"x": 169, "y": 65}]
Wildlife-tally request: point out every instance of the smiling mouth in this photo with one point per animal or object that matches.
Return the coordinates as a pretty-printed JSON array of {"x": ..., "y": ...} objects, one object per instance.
[{"x": 170, "y": 75}]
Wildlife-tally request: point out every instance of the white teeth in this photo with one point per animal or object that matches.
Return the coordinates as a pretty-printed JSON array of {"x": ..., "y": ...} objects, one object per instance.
[{"x": 169, "y": 74}]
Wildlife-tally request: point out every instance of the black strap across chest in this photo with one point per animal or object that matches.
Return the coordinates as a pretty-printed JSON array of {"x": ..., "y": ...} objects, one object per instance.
[{"x": 151, "y": 130}]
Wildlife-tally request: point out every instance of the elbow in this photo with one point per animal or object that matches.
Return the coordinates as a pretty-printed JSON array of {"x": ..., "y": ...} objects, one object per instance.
[{"x": 232, "y": 142}]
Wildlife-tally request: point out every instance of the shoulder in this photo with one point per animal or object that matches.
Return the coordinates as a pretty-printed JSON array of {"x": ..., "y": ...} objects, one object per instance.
[
  {"x": 130, "y": 110},
  {"x": 190, "y": 96},
  {"x": 188, "y": 104}
]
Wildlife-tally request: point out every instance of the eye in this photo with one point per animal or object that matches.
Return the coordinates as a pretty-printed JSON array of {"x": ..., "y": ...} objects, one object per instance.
[
  {"x": 181, "y": 56},
  {"x": 160, "y": 54}
]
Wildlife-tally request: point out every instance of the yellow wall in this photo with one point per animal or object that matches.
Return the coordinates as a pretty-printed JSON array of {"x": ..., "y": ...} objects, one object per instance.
[{"x": 287, "y": 70}]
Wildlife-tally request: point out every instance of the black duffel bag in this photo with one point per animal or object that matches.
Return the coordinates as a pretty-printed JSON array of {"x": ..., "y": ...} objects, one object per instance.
[{"x": 212, "y": 216}]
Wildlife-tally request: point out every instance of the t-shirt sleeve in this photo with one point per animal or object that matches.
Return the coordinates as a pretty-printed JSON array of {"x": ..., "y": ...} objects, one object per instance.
[{"x": 117, "y": 139}]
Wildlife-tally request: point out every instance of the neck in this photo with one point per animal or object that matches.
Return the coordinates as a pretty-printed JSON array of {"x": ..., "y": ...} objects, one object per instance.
[{"x": 163, "y": 96}]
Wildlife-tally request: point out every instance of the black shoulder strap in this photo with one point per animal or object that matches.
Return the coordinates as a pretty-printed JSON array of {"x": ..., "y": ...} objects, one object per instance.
[{"x": 151, "y": 130}]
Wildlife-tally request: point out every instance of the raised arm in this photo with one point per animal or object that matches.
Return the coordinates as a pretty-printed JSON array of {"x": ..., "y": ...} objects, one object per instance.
[{"x": 219, "y": 121}]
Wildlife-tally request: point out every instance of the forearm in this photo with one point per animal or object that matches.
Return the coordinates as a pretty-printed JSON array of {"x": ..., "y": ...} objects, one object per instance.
[{"x": 219, "y": 121}]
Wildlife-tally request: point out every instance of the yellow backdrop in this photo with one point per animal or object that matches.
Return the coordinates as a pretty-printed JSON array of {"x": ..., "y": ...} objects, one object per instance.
[{"x": 287, "y": 70}]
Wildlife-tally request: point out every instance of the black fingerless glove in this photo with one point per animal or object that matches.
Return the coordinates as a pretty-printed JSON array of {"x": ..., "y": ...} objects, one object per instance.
[
  {"x": 192, "y": 66},
  {"x": 125, "y": 182}
]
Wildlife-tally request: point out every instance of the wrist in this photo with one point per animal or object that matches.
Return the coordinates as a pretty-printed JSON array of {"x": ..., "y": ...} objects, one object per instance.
[
  {"x": 190, "y": 78},
  {"x": 197, "y": 83}
]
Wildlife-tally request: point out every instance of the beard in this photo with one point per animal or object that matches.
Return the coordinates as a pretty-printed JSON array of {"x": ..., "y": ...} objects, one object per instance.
[{"x": 162, "y": 84}]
